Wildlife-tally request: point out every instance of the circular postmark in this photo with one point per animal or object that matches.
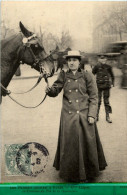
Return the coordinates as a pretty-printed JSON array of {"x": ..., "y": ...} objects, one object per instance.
[{"x": 32, "y": 159}]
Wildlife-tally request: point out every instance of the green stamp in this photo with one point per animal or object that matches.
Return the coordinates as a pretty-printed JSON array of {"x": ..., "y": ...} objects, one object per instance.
[
  {"x": 29, "y": 159},
  {"x": 10, "y": 159}
]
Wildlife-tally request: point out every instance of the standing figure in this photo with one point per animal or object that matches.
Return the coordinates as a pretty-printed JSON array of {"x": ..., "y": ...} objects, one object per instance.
[
  {"x": 105, "y": 80},
  {"x": 79, "y": 154},
  {"x": 123, "y": 65}
]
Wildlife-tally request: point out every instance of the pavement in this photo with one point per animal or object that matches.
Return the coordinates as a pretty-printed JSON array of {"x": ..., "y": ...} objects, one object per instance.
[{"x": 41, "y": 125}]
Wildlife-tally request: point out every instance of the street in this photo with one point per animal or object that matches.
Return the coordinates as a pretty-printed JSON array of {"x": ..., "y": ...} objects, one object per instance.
[{"x": 20, "y": 126}]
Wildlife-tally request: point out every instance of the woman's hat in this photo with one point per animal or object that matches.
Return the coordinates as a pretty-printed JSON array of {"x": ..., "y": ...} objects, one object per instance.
[{"x": 73, "y": 54}]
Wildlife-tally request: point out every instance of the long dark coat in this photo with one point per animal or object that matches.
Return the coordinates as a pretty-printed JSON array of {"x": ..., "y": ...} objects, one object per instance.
[{"x": 79, "y": 152}]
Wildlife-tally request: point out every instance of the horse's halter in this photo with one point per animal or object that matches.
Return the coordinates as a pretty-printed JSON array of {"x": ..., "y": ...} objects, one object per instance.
[
  {"x": 27, "y": 42},
  {"x": 43, "y": 74}
]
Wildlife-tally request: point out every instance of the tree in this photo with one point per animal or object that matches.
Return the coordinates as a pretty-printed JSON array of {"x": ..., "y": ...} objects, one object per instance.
[
  {"x": 51, "y": 41},
  {"x": 116, "y": 17},
  {"x": 5, "y": 31},
  {"x": 66, "y": 40},
  {"x": 110, "y": 24}
]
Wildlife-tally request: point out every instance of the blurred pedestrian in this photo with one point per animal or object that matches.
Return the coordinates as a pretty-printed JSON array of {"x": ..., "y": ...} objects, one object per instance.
[
  {"x": 79, "y": 155},
  {"x": 88, "y": 67},
  {"x": 105, "y": 80},
  {"x": 123, "y": 57}
]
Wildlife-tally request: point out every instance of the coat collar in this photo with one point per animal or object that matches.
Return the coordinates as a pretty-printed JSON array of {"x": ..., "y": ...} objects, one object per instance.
[
  {"x": 77, "y": 75},
  {"x": 101, "y": 65},
  {"x": 79, "y": 70}
]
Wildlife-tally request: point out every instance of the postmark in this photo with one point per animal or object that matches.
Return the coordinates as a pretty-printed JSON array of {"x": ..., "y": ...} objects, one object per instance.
[
  {"x": 32, "y": 159},
  {"x": 25, "y": 159}
]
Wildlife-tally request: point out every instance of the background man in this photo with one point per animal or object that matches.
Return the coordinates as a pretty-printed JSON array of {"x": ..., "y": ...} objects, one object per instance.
[{"x": 105, "y": 80}]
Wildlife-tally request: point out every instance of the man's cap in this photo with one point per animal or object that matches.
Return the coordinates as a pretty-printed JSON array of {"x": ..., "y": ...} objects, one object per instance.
[
  {"x": 102, "y": 55},
  {"x": 73, "y": 53}
]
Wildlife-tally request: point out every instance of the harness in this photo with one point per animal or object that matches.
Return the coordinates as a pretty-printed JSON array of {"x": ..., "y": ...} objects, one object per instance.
[{"x": 27, "y": 44}]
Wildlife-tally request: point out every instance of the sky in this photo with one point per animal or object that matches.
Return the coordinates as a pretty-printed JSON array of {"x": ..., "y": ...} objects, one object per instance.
[
  {"x": 77, "y": 17},
  {"x": 54, "y": 17}
]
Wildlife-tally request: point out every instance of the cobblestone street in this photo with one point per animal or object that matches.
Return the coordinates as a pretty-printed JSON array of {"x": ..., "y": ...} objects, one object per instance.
[{"x": 41, "y": 125}]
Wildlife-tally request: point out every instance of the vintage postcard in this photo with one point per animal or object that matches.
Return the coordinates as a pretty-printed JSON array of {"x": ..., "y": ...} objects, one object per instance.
[{"x": 63, "y": 92}]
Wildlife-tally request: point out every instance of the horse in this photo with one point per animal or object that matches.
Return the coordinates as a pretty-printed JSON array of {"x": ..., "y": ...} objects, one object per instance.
[
  {"x": 24, "y": 47},
  {"x": 59, "y": 57}
]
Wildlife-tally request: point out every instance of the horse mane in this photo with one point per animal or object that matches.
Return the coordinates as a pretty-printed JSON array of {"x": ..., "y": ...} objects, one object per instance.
[
  {"x": 10, "y": 45},
  {"x": 8, "y": 42},
  {"x": 9, "y": 57}
]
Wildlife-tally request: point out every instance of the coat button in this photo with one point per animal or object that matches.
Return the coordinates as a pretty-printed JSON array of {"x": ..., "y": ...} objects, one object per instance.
[
  {"x": 70, "y": 101},
  {"x": 70, "y": 90},
  {"x": 69, "y": 112},
  {"x": 77, "y": 101},
  {"x": 77, "y": 111},
  {"x": 76, "y": 80},
  {"x": 69, "y": 81},
  {"x": 76, "y": 90}
]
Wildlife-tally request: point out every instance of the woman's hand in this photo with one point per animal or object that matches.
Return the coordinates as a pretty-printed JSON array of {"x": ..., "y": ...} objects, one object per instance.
[{"x": 91, "y": 120}]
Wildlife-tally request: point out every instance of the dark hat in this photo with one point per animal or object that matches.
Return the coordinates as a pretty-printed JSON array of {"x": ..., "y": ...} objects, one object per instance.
[{"x": 102, "y": 55}]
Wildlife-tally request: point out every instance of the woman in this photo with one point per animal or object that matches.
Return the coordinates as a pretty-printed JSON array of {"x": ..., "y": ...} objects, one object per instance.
[{"x": 79, "y": 153}]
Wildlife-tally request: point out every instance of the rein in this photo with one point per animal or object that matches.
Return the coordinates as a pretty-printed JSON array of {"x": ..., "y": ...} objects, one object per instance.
[
  {"x": 8, "y": 92},
  {"x": 28, "y": 106},
  {"x": 27, "y": 44},
  {"x": 36, "y": 84}
]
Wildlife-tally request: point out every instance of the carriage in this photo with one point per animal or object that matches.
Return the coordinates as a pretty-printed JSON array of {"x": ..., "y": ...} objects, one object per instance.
[{"x": 117, "y": 54}]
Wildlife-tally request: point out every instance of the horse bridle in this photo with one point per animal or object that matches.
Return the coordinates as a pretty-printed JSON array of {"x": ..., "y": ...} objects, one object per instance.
[{"x": 26, "y": 43}]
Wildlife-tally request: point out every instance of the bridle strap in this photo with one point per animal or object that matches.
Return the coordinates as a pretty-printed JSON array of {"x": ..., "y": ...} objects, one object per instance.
[
  {"x": 23, "y": 48},
  {"x": 8, "y": 93},
  {"x": 27, "y": 106},
  {"x": 36, "y": 60},
  {"x": 36, "y": 84}
]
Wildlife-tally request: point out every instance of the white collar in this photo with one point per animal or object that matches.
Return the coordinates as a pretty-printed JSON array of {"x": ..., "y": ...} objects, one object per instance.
[{"x": 74, "y": 71}]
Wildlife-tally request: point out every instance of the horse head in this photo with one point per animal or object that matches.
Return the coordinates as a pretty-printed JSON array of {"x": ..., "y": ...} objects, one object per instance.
[{"x": 33, "y": 53}]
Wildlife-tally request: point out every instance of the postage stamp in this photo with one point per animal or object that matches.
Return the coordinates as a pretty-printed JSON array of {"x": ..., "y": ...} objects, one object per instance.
[
  {"x": 29, "y": 159},
  {"x": 11, "y": 168}
]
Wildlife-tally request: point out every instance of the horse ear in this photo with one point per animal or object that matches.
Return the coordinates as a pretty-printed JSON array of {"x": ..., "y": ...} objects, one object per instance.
[{"x": 24, "y": 30}]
